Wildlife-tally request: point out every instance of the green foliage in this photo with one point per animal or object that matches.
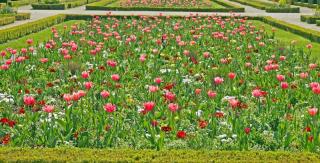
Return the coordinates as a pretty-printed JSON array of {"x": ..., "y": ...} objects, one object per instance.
[
  {"x": 270, "y": 7},
  {"x": 7, "y": 20},
  {"x": 22, "y": 30},
  {"x": 307, "y": 33},
  {"x": 309, "y": 18},
  {"x": 283, "y": 10},
  {"x": 7, "y": 10},
  {"x": 57, "y": 5},
  {"x": 19, "y": 16},
  {"x": 51, "y": 1},
  {"x": 306, "y": 4},
  {"x": 21, "y": 3},
  {"x": 39, "y": 6},
  {"x": 129, "y": 155},
  {"x": 318, "y": 22}
]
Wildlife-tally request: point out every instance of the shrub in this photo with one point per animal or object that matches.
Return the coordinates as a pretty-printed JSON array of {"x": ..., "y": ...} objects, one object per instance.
[
  {"x": 22, "y": 30},
  {"x": 7, "y": 20},
  {"x": 22, "y": 16},
  {"x": 307, "y": 33},
  {"x": 318, "y": 22},
  {"x": 309, "y": 18},
  {"x": 40, "y": 6},
  {"x": 283, "y": 10},
  {"x": 129, "y": 155}
]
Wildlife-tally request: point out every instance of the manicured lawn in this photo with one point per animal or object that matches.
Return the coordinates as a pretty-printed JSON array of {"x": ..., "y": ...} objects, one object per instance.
[
  {"x": 286, "y": 37},
  {"x": 41, "y": 36},
  {"x": 121, "y": 155}
]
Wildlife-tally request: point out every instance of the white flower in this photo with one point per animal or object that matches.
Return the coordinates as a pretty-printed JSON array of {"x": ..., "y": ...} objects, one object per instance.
[
  {"x": 199, "y": 113},
  {"x": 234, "y": 136},
  {"x": 222, "y": 136}
]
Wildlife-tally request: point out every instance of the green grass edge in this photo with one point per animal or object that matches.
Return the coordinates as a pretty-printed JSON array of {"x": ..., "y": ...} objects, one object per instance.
[{"x": 67, "y": 154}]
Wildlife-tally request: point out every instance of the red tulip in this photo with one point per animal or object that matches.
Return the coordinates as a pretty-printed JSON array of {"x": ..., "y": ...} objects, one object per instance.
[
  {"x": 148, "y": 106},
  {"x": 181, "y": 134}
]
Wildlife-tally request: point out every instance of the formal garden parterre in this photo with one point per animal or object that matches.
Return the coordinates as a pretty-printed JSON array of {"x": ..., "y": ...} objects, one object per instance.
[
  {"x": 160, "y": 88},
  {"x": 170, "y": 93}
]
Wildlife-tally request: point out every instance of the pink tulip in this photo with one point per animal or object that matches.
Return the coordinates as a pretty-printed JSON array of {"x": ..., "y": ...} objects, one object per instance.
[
  {"x": 211, "y": 94},
  {"x": 48, "y": 108},
  {"x": 111, "y": 63},
  {"x": 284, "y": 85},
  {"x": 105, "y": 94},
  {"x": 218, "y": 80},
  {"x": 313, "y": 111},
  {"x": 169, "y": 96},
  {"x": 280, "y": 78},
  {"x": 88, "y": 85},
  {"x": 115, "y": 77},
  {"x": 158, "y": 80},
  {"x": 109, "y": 107},
  {"x": 29, "y": 100},
  {"x": 153, "y": 88},
  {"x": 85, "y": 74},
  {"x": 67, "y": 97},
  {"x": 173, "y": 107}
]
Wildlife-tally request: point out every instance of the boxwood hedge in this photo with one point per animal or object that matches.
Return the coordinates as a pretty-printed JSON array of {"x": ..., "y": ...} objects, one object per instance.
[
  {"x": 7, "y": 20},
  {"x": 268, "y": 6},
  {"x": 18, "y": 16},
  {"x": 311, "y": 19},
  {"x": 25, "y": 29},
  {"x": 129, "y": 155}
]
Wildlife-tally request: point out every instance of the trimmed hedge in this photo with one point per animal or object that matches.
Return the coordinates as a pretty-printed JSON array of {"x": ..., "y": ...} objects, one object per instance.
[
  {"x": 21, "y": 3},
  {"x": 39, "y": 6},
  {"x": 18, "y": 16},
  {"x": 130, "y": 155},
  {"x": 25, "y": 29},
  {"x": 318, "y": 22},
  {"x": 268, "y": 6},
  {"x": 7, "y": 20},
  {"x": 61, "y": 6},
  {"x": 259, "y": 5},
  {"x": 306, "y": 4},
  {"x": 283, "y": 10},
  {"x": 311, "y": 19},
  {"x": 22, "y": 16},
  {"x": 103, "y": 5},
  {"x": 310, "y": 34}
]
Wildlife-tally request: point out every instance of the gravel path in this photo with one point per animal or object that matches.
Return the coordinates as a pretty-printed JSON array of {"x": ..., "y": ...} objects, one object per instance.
[{"x": 293, "y": 18}]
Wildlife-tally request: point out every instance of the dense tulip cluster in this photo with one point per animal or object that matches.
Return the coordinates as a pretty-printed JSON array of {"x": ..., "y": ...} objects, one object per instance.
[
  {"x": 160, "y": 82},
  {"x": 166, "y": 3}
]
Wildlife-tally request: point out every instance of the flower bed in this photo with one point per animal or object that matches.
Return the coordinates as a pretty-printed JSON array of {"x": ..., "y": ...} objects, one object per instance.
[
  {"x": 180, "y": 5},
  {"x": 160, "y": 82}
]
